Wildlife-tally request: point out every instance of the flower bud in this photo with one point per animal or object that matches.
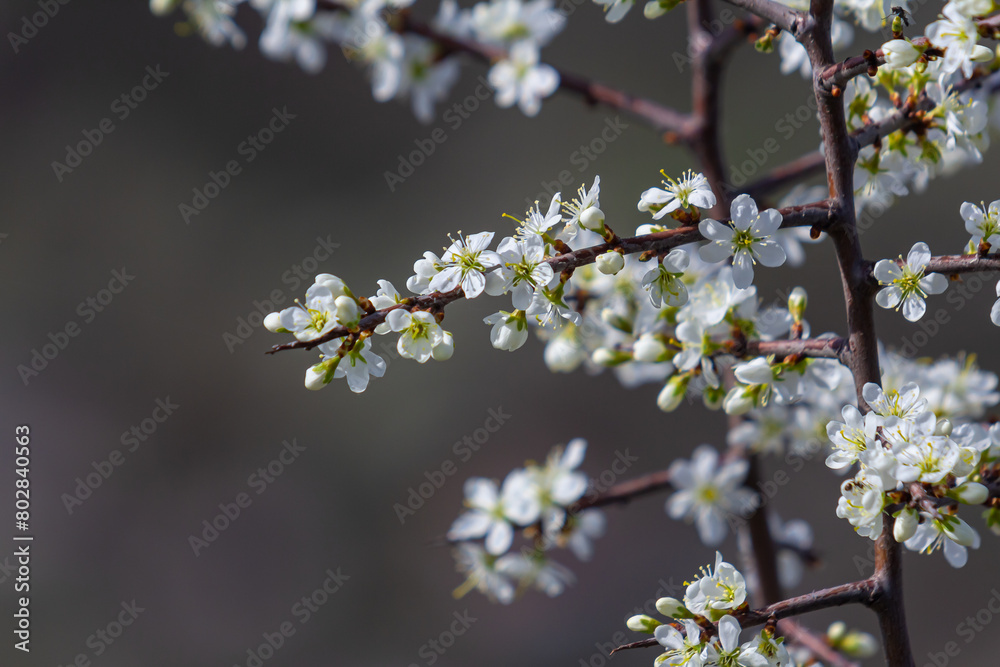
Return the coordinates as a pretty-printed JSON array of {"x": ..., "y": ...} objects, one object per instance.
[
  {"x": 673, "y": 608},
  {"x": 643, "y": 623},
  {"x": 443, "y": 350},
  {"x": 836, "y": 633},
  {"x": 960, "y": 532},
  {"x": 905, "y": 525},
  {"x": 797, "y": 303},
  {"x": 982, "y": 54},
  {"x": 673, "y": 393},
  {"x": 859, "y": 645},
  {"x": 740, "y": 400},
  {"x": 943, "y": 427},
  {"x": 899, "y": 53},
  {"x": 649, "y": 349},
  {"x": 320, "y": 375},
  {"x": 273, "y": 323},
  {"x": 510, "y": 330},
  {"x": 610, "y": 263},
  {"x": 592, "y": 219},
  {"x": 970, "y": 493},
  {"x": 348, "y": 312},
  {"x": 606, "y": 356}
]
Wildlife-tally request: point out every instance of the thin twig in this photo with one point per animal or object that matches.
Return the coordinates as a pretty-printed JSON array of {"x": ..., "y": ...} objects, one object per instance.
[{"x": 811, "y": 215}]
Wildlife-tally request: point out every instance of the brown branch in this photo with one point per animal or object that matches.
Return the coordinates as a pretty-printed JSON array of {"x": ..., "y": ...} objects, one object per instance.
[
  {"x": 624, "y": 492},
  {"x": 841, "y": 73},
  {"x": 815, "y": 643},
  {"x": 858, "y": 592},
  {"x": 825, "y": 348},
  {"x": 901, "y": 118},
  {"x": 951, "y": 265},
  {"x": 792, "y": 172},
  {"x": 840, "y": 151},
  {"x": 706, "y": 91},
  {"x": 810, "y": 215},
  {"x": 786, "y": 18}
]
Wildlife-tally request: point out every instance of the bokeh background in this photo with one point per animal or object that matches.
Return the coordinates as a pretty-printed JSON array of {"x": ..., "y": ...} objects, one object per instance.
[{"x": 323, "y": 177}]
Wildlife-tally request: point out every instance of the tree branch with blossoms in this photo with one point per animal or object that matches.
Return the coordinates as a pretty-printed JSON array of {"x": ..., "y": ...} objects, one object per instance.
[{"x": 675, "y": 304}]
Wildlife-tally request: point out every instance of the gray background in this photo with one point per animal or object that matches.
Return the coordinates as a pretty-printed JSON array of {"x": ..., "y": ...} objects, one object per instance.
[{"x": 162, "y": 337}]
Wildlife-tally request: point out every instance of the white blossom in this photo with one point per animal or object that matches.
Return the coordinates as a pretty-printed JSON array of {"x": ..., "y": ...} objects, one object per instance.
[
  {"x": 709, "y": 493},
  {"x": 957, "y": 34},
  {"x": 683, "y": 650},
  {"x": 468, "y": 263},
  {"x": 719, "y": 590},
  {"x": 420, "y": 333},
  {"x": 861, "y": 503},
  {"x": 523, "y": 268},
  {"x": 747, "y": 239},
  {"x": 949, "y": 532},
  {"x": 510, "y": 330},
  {"x": 665, "y": 282},
  {"x": 691, "y": 190},
  {"x": 521, "y": 80},
  {"x": 982, "y": 222},
  {"x": 907, "y": 286}
]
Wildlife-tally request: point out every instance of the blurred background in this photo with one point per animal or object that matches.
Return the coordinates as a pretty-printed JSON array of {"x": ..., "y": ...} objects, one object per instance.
[{"x": 168, "y": 336}]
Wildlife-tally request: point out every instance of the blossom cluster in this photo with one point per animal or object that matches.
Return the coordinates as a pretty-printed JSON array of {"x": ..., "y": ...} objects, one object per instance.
[
  {"x": 914, "y": 465},
  {"x": 669, "y": 317},
  {"x": 537, "y": 500},
  {"x": 711, "y": 630},
  {"x": 401, "y": 64},
  {"x": 709, "y": 604},
  {"x": 954, "y": 131},
  {"x": 907, "y": 283}
]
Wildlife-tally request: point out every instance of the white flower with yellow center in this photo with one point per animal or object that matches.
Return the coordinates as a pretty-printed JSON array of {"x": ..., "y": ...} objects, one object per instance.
[
  {"x": 906, "y": 286},
  {"x": 691, "y": 190},
  {"x": 709, "y": 493},
  {"x": 747, "y": 239},
  {"x": 421, "y": 333},
  {"x": 721, "y": 589}
]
